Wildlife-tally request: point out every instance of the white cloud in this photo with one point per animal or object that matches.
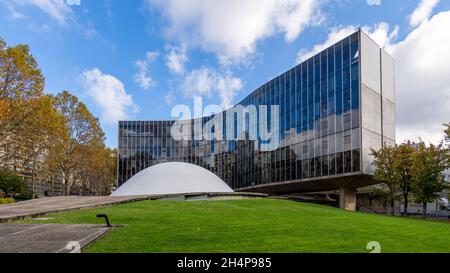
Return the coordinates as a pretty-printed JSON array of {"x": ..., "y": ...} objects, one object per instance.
[
  {"x": 170, "y": 98},
  {"x": 109, "y": 94},
  {"x": 44, "y": 28},
  {"x": 90, "y": 32},
  {"x": 335, "y": 35},
  {"x": 142, "y": 77},
  {"x": 422, "y": 12},
  {"x": 231, "y": 28},
  {"x": 208, "y": 82},
  {"x": 374, "y": 2},
  {"x": 379, "y": 33},
  {"x": 15, "y": 15},
  {"x": 423, "y": 84},
  {"x": 57, "y": 9},
  {"x": 176, "y": 58}
]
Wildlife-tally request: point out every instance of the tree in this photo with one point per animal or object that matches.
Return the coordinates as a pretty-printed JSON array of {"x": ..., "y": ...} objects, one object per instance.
[
  {"x": 53, "y": 139},
  {"x": 28, "y": 121},
  {"x": 20, "y": 80},
  {"x": 83, "y": 130},
  {"x": 10, "y": 183},
  {"x": 97, "y": 173},
  {"x": 38, "y": 138},
  {"x": 428, "y": 173},
  {"x": 447, "y": 140},
  {"x": 21, "y": 77},
  {"x": 393, "y": 167},
  {"x": 108, "y": 171},
  {"x": 403, "y": 165},
  {"x": 386, "y": 173},
  {"x": 447, "y": 130}
]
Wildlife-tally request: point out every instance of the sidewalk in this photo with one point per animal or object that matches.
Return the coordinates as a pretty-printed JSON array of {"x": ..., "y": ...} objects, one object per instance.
[
  {"x": 48, "y": 238},
  {"x": 38, "y": 207}
]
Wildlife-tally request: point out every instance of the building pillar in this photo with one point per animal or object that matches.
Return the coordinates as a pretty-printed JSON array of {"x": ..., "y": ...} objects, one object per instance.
[{"x": 347, "y": 199}]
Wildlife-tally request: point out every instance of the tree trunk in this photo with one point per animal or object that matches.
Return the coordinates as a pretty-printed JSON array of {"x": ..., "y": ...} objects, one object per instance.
[
  {"x": 66, "y": 187},
  {"x": 424, "y": 210},
  {"x": 393, "y": 206},
  {"x": 66, "y": 184},
  {"x": 33, "y": 170},
  {"x": 33, "y": 193},
  {"x": 405, "y": 204}
]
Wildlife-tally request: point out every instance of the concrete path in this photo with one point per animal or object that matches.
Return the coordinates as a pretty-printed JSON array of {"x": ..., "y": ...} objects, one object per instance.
[
  {"x": 48, "y": 238},
  {"x": 38, "y": 207}
]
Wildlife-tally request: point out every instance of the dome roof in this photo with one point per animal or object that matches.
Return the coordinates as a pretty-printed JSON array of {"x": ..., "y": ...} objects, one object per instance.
[{"x": 172, "y": 178}]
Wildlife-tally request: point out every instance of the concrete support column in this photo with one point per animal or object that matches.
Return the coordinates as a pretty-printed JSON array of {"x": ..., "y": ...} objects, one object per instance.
[{"x": 347, "y": 199}]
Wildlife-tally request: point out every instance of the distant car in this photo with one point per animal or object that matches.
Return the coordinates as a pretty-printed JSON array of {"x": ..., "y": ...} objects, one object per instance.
[{"x": 443, "y": 208}]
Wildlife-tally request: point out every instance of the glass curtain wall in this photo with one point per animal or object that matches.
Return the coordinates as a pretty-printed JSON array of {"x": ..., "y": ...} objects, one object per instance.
[{"x": 319, "y": 103}]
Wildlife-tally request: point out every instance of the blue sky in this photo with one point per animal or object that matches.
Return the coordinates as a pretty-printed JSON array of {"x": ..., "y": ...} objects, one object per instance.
[{"x": 136, "y": 59}]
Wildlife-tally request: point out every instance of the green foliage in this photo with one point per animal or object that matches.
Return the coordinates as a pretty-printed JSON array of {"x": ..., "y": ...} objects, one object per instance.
[
  {"x": 428, "y": 179},
  {"x": 385, "y": 173},
  {"x": 7, "y": 201},
  {"x": 447, "y": 131},
  {"x": 447, "y": 139},
  {"x": 403, "y": 164},
  {"x": 393, "y": 167},
  {"x": 385, "y": 168},
  {"x": 10, "y": 183},
  {"x": 412, "y": 168}
]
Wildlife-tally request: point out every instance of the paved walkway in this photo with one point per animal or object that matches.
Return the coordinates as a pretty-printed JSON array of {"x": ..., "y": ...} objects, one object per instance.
[
  {"x": 48, "y": 238},
  {"x": 38, "y": 207}
]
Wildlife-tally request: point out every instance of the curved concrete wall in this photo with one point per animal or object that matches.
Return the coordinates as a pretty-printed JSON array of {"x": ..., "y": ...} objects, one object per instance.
[{"x": 172, "y": 178}]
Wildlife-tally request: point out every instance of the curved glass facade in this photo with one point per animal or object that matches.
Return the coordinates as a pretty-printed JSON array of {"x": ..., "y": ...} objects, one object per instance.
[{"x": 319, "y": 132}]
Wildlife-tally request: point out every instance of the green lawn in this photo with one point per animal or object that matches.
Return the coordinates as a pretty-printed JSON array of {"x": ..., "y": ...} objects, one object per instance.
[{"x": 256, "y": 226}]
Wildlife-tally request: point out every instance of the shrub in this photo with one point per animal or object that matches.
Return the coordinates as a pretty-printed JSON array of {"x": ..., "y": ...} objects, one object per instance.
[
  {"x": 11, "y": 183},
  {"x": 22, "y": 197},
  {"x": 7, "y": 201}
]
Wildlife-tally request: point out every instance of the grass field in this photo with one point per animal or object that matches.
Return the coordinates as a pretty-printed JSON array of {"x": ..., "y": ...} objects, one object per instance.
[{"x": 256, "y": 226}]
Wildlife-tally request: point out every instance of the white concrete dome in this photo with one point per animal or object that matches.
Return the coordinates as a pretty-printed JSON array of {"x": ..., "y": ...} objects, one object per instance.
[{"x": 172, "y": 178}]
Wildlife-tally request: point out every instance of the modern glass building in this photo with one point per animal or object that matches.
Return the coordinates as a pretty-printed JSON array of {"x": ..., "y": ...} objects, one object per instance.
[{"x": 333, "y": 108}]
